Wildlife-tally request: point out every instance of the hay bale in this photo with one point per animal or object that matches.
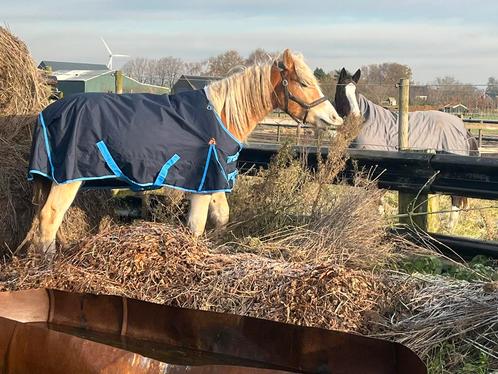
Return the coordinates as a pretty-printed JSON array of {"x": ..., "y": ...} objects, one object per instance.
[
  {"x": 23, "y": 89},
  {"x": 23, "y": 93},
  {"x": 16, "y": 209},
  {"x": 164, "y": 264}
]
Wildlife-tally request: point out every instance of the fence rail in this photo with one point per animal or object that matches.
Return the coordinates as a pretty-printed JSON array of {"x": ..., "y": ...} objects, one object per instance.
[
  {"x": 280, "y": 129},
  {"x": 401, "y": 171}
]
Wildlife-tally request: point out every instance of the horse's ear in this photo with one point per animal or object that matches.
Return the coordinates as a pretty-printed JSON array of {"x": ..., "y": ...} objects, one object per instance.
[
  {"x": 343, "y": 73},
  {"x": 356, "y": 76},
  {"x": 288, "y": 60}
]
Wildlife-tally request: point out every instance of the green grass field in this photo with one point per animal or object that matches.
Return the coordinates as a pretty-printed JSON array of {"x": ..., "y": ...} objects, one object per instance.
[{"x": 479, "y": 222}]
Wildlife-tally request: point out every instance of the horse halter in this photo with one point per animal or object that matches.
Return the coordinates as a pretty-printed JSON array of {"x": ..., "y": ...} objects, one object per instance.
[{"x": 288, "y": 96}]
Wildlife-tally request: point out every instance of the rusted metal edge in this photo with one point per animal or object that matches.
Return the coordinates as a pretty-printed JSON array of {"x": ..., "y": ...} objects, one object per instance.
[{"x": 191, "y": 338}]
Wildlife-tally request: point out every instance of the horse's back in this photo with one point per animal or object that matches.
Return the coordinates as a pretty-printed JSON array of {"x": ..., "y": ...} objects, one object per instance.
[
  {"x": 438, "y": 131},
  {"x": 145, "y": 140}
]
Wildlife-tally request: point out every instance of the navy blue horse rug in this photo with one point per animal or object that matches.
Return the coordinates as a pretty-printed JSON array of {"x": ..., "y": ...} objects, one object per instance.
[{"x": 138, "y": 141}]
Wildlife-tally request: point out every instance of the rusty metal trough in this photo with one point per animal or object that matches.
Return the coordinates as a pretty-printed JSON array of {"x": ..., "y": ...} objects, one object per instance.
[{"x": 49, "y": 331}]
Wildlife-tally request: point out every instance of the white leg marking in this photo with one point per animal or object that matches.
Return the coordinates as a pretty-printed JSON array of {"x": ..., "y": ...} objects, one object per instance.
[
  {"x": 454, "y": 216},
  {"x": 219, "y": 211},
  {"x": 197, "y": 217}
]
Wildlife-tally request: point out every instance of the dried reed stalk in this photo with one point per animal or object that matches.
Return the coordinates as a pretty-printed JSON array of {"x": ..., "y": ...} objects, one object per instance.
[{"x": 434, "y": 309}]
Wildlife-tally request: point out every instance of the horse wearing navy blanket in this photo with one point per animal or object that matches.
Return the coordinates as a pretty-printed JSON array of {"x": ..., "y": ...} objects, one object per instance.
[
  {"x": 189, "y": 141},
  {"x": 429, "y": 130}
]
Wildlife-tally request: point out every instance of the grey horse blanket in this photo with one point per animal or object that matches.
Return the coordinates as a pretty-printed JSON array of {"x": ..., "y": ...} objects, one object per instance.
[
  {"x": 429, "y": 130},
  {"x": 139, "y": 141}
]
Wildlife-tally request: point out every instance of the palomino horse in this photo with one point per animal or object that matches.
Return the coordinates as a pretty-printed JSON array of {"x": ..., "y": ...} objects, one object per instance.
[
  {"x": 429, "y": 130},
  {"x": 239, "y": 101}
]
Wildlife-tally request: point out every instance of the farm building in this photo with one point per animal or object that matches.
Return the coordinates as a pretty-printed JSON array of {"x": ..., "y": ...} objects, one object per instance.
[
  {"x": 192, "y": 82},
  {"x": 454, "y": 108},
  {"x": 73, "y": 77}
]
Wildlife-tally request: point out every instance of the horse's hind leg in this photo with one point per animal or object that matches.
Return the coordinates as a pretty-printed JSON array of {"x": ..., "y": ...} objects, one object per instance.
[
  {"x": 219, "y": 211},
  {"x": 59, "y": 200},
  {"x": 457, "y": 204}
]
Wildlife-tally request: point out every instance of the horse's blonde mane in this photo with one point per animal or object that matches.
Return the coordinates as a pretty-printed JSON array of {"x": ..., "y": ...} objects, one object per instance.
[{"x": 245, "y": 98}]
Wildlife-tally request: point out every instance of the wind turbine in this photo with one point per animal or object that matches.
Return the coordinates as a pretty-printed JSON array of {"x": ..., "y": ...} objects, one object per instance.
[{"x": 111, "y": 55}]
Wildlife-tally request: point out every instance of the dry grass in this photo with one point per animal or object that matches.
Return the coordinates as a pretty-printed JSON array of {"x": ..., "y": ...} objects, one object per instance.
[{"x": 433, "y": 310}]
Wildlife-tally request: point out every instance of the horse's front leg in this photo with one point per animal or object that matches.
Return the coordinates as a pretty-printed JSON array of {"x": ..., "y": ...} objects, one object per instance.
[
  {"x": 219, "y": 211},
  {"x": 197, "y": 216},
  {"x": 59, "y": 200}
]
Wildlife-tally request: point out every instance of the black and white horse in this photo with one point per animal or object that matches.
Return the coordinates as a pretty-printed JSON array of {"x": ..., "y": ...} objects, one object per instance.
[{"x": 429, "y": 130}]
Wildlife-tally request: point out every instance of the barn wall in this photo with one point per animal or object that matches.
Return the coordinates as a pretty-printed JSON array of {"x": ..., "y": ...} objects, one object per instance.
[
  {"x": 71, "y": 87},
  {"x": 102, "y": 83}
]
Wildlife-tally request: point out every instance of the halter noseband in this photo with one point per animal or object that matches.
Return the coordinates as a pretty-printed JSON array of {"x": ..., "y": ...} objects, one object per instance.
[{"x": 288, "y": 96}]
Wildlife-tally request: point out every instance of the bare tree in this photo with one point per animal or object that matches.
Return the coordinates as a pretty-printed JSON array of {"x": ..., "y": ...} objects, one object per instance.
[
  {"x": 378, "y": 80},
  {"x": 222, "y": 64},
  {"x": 260, "y": 56},
  {"x": 167, "y": 70},
  {"x": 448, "y": 90},
  {"x": 137, "y": 68},
  {"x": 195, "y": 68}
]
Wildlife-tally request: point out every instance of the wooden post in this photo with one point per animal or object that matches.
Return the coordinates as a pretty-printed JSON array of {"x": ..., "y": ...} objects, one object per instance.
[
  {"x": 409, "y": 202},
  {"x": 298, "y": 134},
  {"x": 118, "y": 81},
  {"x": 480, "y": 136},
  {"x": 403, "y": 131}
]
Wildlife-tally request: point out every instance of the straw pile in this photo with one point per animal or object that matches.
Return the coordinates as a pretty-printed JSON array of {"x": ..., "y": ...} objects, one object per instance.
[
  {"x": 164, "y": 264},
  {"x": 23, "y": 93}
]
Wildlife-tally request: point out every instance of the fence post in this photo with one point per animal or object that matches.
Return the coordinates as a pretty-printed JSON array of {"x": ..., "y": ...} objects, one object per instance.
[
  {"x": 409, "y": 202},
  {"x": 404, "y": 99},
  {"x": 479, "y": 144},
  {"x": 118, "y": 81}
]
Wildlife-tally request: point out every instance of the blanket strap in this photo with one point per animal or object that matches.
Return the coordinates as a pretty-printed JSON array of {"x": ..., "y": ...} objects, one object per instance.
[
  {"x": 163, "y": 173},
  {"x": 164, "y": 170}
]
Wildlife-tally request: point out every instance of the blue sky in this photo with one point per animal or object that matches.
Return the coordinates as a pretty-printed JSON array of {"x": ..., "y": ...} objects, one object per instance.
[{"x": 435, "y": 38}]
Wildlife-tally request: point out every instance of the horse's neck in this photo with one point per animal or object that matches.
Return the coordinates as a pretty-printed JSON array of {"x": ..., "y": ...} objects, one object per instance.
[
  {"x": 371, "y": 111},
  {"x": 244, "y": 128}
]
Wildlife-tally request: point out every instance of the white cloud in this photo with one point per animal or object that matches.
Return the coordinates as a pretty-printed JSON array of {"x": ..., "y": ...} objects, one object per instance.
[{"x": 420, "y": 34}]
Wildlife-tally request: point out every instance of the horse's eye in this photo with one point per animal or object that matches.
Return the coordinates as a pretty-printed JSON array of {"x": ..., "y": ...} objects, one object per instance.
[{"x": 303, "y": 84}]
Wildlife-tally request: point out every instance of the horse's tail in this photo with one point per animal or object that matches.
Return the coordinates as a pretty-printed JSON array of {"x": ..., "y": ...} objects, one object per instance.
[
  {"x": 473, "y": 144},
  {"x": 41, "y": 189}
]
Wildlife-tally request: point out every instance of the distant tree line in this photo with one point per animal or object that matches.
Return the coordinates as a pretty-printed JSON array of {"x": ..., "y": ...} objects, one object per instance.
[
  {"x": 378, "y": 81},
  {"x": 165, "y": 71}
]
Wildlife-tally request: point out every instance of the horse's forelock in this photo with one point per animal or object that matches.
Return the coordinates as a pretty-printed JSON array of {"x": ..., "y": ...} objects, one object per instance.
[{"x": 303, "y": 71}]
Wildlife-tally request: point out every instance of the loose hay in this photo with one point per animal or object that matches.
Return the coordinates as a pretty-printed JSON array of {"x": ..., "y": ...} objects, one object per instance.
[{"x": 164, "y": 264}]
